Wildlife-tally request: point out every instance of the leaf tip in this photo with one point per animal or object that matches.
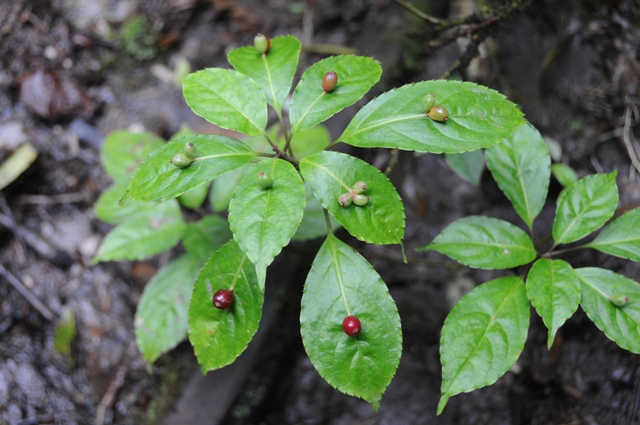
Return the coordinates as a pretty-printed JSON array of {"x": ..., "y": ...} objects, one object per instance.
[{"x": 442, "y": 403}]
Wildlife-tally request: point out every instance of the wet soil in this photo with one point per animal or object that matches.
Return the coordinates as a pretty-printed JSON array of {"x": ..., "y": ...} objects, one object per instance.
[{"x": 67, "y": 78}]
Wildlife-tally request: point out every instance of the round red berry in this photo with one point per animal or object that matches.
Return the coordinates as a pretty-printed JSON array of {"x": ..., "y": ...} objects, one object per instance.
[
  {"x": 351, "y": 325},
  {"x": 223, "y": 299}
]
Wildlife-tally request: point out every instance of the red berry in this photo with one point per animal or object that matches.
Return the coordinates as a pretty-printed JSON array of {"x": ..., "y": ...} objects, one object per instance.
[
  {"x": 329, "y": 81},
  {"x": 223, "y": 299},
  {"x": 351, "y": 325}
]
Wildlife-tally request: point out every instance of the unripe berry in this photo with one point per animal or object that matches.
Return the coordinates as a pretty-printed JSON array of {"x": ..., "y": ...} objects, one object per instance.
[
  {"x": 427, "y": 103},
  {"x": 180, "y": 160},
  {"x": 619, "y": 300},
  {"x": 359, "y": 187},
  {"x": 360, "y": 200},
  {"x": 329, "y": 81},
  {"x": 223, "y": 299},
  {"x": 262, "y": 43},
  {"x": 264, "y": 180},
  {"x": 438, "y": 113},
  {"x": 351, "y": 325},
  {"x": 345, "y": 199},
  {"x": 189, "y": 150}
]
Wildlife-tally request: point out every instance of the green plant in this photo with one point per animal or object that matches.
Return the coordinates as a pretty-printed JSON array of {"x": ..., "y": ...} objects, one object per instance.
[
  {"x": 485, "y": 332},
  {"x": 274, "y": 179}
]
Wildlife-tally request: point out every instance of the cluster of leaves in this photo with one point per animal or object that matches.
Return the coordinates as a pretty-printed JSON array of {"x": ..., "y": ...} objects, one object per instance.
[
  {"x": 485, "y": 332},
  {"x": 306, "y": 180}
]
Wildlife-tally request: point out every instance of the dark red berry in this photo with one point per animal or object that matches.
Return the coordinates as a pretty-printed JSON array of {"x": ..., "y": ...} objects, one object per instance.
[
  {"x": 351, "y": 325},
  {"x": 329, "y": 81},
  {"x": 223, "y": 299}
]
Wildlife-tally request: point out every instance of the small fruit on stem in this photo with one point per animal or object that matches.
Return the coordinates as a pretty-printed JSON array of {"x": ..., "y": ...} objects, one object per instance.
[
  {"x": 438, "y": 113},
  {"x": 345, "y": 199},
  {"x": 262, "y": 43},
  {"x": 223, "y": 299},
  {"x": 264, "y": 180},
  {"x": 180, "y": 160},
  {"x": 360, "y": 200},
  {"x": 360, "y": 187},
  {"x": 189, "y": 150},
  {"x": 329, "y": 81},
  {"x": 351, "y": 325},
  {"x": 427, "y": 102},
  {"x": 619, "y": 300}
]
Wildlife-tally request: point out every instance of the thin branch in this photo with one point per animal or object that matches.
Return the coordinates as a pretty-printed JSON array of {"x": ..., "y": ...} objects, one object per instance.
[
  {"x": 28, "y": 295},
  {"x": 628, "y": 143}
]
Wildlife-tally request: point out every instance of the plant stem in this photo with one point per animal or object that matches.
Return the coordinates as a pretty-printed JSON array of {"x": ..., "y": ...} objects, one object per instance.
[{"x": 328, "y": 221}]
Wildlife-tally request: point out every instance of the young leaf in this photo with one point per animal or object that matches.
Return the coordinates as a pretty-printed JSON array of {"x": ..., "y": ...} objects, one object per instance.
[
  {"x": 554, "y": 290},
  {"x": 341, "y": 282},
  {"x": 157, "y": 179},
  {"x": 483, "y": 336},
  {"x": 108, "y": 208},
  {"x": 227, "y": 98},
  {"x": 484, "y": 243},
  {"x": 521, "y": 167},
  {"x": 161, "y": 317},
  {"x": 123, "y": 151},
  {"x": 273, "y": 71},
  {"x": 313, "y": 224},
  {"x": 223, "y": 186},
  {"x": 330, "y": 174},
  {"x": 585, "y": 206},
  {"x": 478, "y": 118},
  {"x": 144, "y": 235},
  {"x": 621, "y": 237},
  {"x": 219, "y": 336},
  {"x": 565, "y": 175},
  {"x": 310, "y": 104},
  {"x": 194, "y": 197},
  {"x": 467, "y": 165},
  {"x": 263, "y": 220},
  {"x": 203, "y": 237},
  {"x": 619, "y": 324}
]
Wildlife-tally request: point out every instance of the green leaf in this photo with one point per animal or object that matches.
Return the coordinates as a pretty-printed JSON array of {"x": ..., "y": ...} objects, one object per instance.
[
  {"x": 619, "y": 324},
  {"x": 483, "y": 336},
  {"x": 467, "y": 165},
  {"x": 313, "y": 224},
  {"x": 157, "y": 179},
  {"x": 520, "y": 166},
  {"x": 143, "y": 235},
  {"x": 161, "y": 317},
  {"x": 621, "y": 237},
  {"x": 219, "y": 336},
  {"x": 341, "y": 282},
  {"x": 330, "y": 174},
  {"x": 108, "y": 208},
  {"x": 223, "y": 186},
  {"x": 206, "y": 236},
  {"x": 307, "y": 142},
  {"x": 554, "y": 290},
  {"x": 310, "y": 105},
  {"x": 478, "y": 118},
  {"x": 272, "y": 71},
  {"x": 263, "y": 220},
  {"x": 484, "y": 243},
  {"x": 585, "y": 206},
  {"x": 123, "y": 151},
  {"x": 194, "y": 197},
  {"x": 565, "y": 175},
  {"x": 227, "y": 98}
]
